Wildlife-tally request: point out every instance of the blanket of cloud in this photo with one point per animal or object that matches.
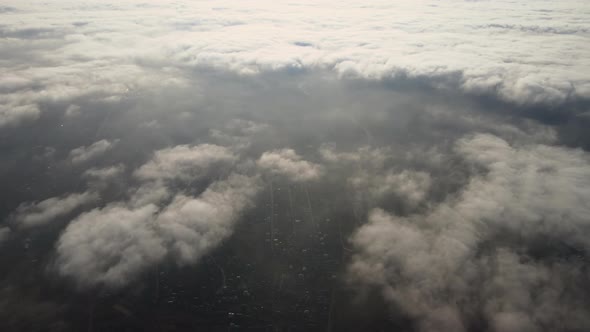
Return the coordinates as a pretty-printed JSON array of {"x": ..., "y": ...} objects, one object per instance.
[
  {"x": 528, "y": 52},
  {"x": 443, "y": 144}
]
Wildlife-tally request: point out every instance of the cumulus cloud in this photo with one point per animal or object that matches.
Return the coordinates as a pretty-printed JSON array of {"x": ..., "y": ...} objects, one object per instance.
[
  {"x": 14, "y": 115},
  {"x": 192, "y": 226},
  {"x": 114, "y": 245},
  {"x": 184, "y": 162},
  {"x": 410, "y": 186},
  {"x": 106, "y": 173},
  {"x": 181, "y": 163},
  {"x": 96, "y": 149},
  {"x": 288, "y": 163},
  {"x": 109, "y": 246},
  {"x": 374, "y": 175},
  {"x": 474, "y": 253},
  {"x": 43, "y": 212}
]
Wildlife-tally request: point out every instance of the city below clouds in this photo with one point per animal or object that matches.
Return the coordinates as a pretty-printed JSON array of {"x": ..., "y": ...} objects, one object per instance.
[{"x": 299, "y": 166}]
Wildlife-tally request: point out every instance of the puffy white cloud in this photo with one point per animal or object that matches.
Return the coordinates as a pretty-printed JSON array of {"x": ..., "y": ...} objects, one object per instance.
[
  {"x": 410, "y": 186},
  {"x": 40, "y": 213},
  {"x": 150, "y": 193},
  {"x": 109, "y": 246},
  {"x": 450, "y": 261},
  {"x": 106, "y": 173},
  {"x": 14, "y": 111},
  {"x": 182, "y": 162},
  {"x": 192, "y": 226},
  {"x": 112, "y": 246},
  {"x": 15, "y": 114},
  {"x": 288, "y": 163},
  {"x": 96, "y": 149},
  {"x": 530, "y": 190},
  {"x": 185, "y": 162}
]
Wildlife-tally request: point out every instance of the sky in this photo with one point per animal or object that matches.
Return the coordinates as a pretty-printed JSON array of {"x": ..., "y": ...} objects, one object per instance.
[{"x": 437, "y": 150}]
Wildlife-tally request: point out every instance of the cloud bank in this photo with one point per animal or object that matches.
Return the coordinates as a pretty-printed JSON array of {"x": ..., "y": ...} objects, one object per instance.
[{"x": 435, "y": 44}]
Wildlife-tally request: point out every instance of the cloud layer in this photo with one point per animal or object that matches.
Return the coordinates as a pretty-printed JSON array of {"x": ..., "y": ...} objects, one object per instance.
[{"x": 478, "y": 47}]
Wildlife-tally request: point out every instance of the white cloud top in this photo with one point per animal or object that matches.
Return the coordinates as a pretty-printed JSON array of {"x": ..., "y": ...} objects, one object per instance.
[
  {"x": 288, "y": 163},
  {"x": 437, "y": 266},
  {"x": 40, "y": 213},
  {"x": 109, "y": 246},
  {"x": 184, "y": 162},
  {"x": 523, "y": 51},
  {"x": 85, "y": 153},
  {"x": 113, "y": 245}
]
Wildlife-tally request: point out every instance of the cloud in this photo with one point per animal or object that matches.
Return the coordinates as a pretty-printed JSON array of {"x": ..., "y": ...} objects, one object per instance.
[
  {"x": 40, "y": 213},
  {"x": 288, "y": 163},
  {"x": 410, "y": 186},
  {"x": 11, "y": 115},
  {"x": 377, "y": 175},
  {"x": 184, "y": 162},
  {"x": 476, "y": 252},
  {"x": 192, "y": 226},
  {"x": 96, "y": 149},
  {"x": 109, "y": 246},
  {"x": 113, "y": 245},
  {"x": 424, "y": 43},
  {"x": 106, "y": 173}
]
